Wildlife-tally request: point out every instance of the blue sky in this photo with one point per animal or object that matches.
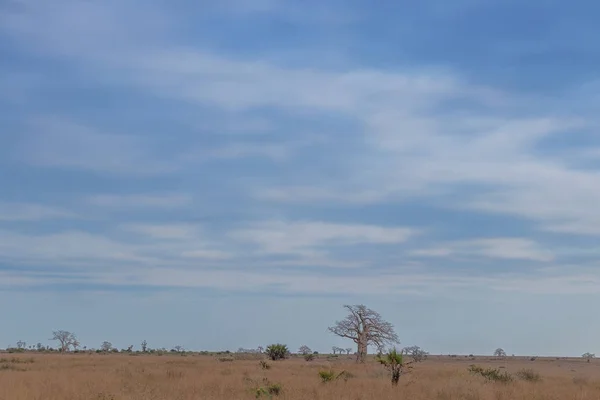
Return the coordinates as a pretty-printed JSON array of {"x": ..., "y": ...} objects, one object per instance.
[{"x": 182, "y": 171}]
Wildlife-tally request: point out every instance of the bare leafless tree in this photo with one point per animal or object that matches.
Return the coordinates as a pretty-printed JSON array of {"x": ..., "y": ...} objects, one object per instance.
[
  {"x": 365, "y": 327},
  {"x": 304, "y": 350},
  {"x": 66, "y": 339},
  {"x": 348, "y": 350},
  {"x": 416, "y": 353},
  {"x": 144, "y": 346}
]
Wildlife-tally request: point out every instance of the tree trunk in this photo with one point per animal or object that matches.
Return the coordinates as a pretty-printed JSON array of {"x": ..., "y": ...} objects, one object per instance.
[{"x": 361, "y": 355}]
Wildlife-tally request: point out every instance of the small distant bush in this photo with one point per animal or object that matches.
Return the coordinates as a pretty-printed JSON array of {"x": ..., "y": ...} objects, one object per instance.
[
  {"x": 309, "y": 357},
  {"x": 226, "y": 359},
  {"x": 330, "y": 375},
  {"x": 491, "y": 374},
  {"x": 327, "y": 376},
  {"x": 265, "y": 365},
  {"x": 277, "y": 351},
  {"x": 268, "y": 389},
  {"x": 527, "y": 374}
]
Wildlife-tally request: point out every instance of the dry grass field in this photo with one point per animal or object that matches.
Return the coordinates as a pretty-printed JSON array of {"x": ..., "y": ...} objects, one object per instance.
[{"x": 146, "y": 377}]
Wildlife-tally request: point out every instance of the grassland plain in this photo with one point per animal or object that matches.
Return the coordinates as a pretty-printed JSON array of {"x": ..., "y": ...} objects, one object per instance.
[{"x": 175, "y": 377}]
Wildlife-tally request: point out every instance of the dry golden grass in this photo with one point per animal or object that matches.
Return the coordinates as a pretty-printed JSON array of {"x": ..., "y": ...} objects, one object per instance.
[{"x": 124, "y": 377}]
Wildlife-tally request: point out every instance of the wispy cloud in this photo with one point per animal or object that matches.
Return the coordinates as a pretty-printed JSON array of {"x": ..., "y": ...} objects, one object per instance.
[
  {"x": 55, "y": 142},
  {"x": 32, "y": 212},
  {"x": 139, "y": 200},
  {"x": 500, "y": 248},
  {"x": 289, "y": 237}
]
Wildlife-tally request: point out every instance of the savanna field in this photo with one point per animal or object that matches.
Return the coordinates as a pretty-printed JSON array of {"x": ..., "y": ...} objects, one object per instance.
[{"x": 194, "y": 377}]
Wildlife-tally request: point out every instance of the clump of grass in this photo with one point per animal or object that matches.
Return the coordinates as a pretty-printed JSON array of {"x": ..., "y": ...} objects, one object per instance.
[
  {"x": 330, "y": 375},
  {"x": 527, "y": 374},
  {"x": 327, "y": 376},
  {"x": 16, "y": 360},
  {"x": 268, "y": 389},
  {"x": 10, "y": 367},
  {"x": 171, "y": 374},
  {"x": 226, "y": 359},
  {"x": 264, "y": 365},
  {"x": 491, "y": 374}
]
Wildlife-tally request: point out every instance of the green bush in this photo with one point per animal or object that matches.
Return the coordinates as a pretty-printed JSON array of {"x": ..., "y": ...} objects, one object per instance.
[
  {"x": 268, "y": 389},
  {"x": 277, "y": 351},
  {"x": 309, "y": 357},
  {"x": 491, "y": 374},
  {"x": 394, "y": 362},
  {"x": 327, "y": 376}
]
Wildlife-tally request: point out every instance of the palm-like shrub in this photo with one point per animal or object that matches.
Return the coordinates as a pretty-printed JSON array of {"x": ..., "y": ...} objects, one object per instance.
[
  {"x": 277, "y": 351},
  {"x": 394, "y": 362}
]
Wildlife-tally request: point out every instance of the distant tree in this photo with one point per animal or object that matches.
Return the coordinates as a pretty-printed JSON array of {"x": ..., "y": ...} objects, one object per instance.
[
  {"x": 348, "y": 350},
  {"x": 260, "y": 349},
  {"x": 178, "y": 348},
  {"x": 304, "y": 350},
  {"x": 66, "y": 339},
  {"x": 130, "y": 349},
  {"x": 106, "y": 346},
  {"x": 588, "y": 356},
  {"x": 416, "y": 353},
  {"x": 365, "y": 327},
  {"x": 334, "y": 349},
  {"x": 277, "y": 351},
  {"x": 21, "y": 345},
  {"x": 499, "y": 352},
  {"x": 39, "y": 347},
  {"x": 144, "y": 346}
]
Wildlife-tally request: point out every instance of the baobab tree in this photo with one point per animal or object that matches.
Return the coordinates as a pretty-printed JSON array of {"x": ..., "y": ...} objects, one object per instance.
[
  {"x": 588, "y": 356},
  {"x": 304, "y": 350},
  {"x": 66, "y": 339},
  {"x": 365, "y": 327},
  {"x": 499, "y": 352},
  {"x": 416, "y": 353}
]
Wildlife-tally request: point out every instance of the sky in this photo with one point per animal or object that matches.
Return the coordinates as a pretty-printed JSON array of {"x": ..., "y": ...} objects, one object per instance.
[{"x": 225, "y": 174}]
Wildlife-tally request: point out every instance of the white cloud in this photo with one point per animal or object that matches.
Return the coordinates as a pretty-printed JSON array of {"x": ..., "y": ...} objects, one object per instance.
[
  {"x": 499, "y": 248},
  {"x": 305, "y": 237}
]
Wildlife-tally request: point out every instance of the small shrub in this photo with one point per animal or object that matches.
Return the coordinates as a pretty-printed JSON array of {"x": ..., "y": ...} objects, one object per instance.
[
  {"x": 330, "y": 375},
  {"x": 327, "y": 376},
  {"x": 394, "y": 362},
  {"x": 277, "y": 351},
  {"x": 268, "y": 389},
  {"x": 226, "y": 359},
  {"x": 527, "y": 374},
  {"x": 265, "y": 365},
  {"x": 274, "y": 389},
  {"x": 309, "y": 357},
  {"x": 491, "y": 374}
]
